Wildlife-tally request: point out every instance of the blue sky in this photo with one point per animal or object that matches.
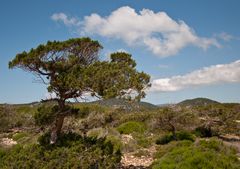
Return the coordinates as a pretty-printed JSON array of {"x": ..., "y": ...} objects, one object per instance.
[{"x": 191, "y": 49}]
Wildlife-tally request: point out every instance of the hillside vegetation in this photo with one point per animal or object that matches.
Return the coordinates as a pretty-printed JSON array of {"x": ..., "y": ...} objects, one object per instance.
[
  {"x": 198, "y": 102},
  {"x": 109, "y": 134}
]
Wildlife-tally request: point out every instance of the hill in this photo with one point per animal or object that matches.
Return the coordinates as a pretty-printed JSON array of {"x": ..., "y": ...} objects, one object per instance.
[
  {"x": 124, "y": 104},
  {"x": 197, "y": 102}
]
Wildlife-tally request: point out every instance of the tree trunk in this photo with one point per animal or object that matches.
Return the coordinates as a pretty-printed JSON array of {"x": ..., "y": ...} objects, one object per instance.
[
  {"x": 57, "y": 127},
  {"x": 56, "y": 130}
]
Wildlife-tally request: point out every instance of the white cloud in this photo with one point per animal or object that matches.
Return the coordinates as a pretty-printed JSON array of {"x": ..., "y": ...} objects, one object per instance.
[
  {"x": 68, "y": 21},
  {"x": 107, "y": 53},
  {"x": 158, "y": 32},
  {"x": 49, "y": 96},
  {"x": 222, "y": 73}
]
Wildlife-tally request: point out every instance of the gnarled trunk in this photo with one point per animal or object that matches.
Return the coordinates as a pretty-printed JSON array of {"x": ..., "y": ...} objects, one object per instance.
[
  {"x": 57, "y": 127},
  {"x": 56, "y": 130}
]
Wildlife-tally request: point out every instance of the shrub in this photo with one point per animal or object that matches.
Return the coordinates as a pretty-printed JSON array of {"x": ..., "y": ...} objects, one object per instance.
[
  {"x": 116, "y": 142},
  {"x": 45, "y": 115},
  {"x": 143, "y": 140},
  {"x": 133, "y": 116},
  {"x": 4, "y": 123},
  {"x": 181, "y": 135},
  {"x": 110, "y": 134},
  {"x": 165, "y": 139},
  {"x": 166, "y": 148},
  {"x": 18, "y": 136},
  {"x": 207, "y": 154},
  {"x": 97, "y": 119},
  {"x": 184, "y": 135},
  {"x": 203, "y": 132},
  {"x": 2, "y": 153},
  {"x": 71, "y": 151},
  {"x": 83, "y": 112},
  {"x": 132, "y": 126},
  {"x": 10, "y": 118}
]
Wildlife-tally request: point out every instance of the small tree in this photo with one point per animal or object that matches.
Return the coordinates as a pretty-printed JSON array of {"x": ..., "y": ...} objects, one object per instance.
[{"x": 71, "y": 68}]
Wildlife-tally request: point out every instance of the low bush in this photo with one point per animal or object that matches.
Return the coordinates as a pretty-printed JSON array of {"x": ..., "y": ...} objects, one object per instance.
[
  {"x": 131, "y": 127},
  {"x": 143, "y": 141},
  {"x": 71, "y": 151},
  {"x": 117, "y": 144},
  {"x": 110, "y": 134},
  {"x": 97, "y": 119},
  {"x": 83, "y": 112},
  {"x": 166, "y": 148},
  {"x": 18, "y": 136},
  {"x": 165, "y": 139},
  {"x": 204, "y": 132},
  {"x": 133, "y": 116},
  {"x": 206, "y": 154},
  {"x": 2, "y": 153},
  {"x": 184, "y": 135},
  {"x": 181, "y": 135},
  {"x": 10, "y": 118},
  {"x": 45, "y": 115}
]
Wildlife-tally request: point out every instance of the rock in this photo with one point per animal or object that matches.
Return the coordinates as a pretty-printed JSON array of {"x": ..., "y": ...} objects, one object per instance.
[
  {"x": 229, "y": 137},
  {"x": 8, "y": 142}
]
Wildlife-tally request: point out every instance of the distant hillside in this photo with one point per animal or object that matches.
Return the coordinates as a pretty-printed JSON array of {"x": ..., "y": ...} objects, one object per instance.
[
  {"x": 166, "y": 105},
  {"x": 120, "y": 103},
  {"x": 197, "y": 102}
]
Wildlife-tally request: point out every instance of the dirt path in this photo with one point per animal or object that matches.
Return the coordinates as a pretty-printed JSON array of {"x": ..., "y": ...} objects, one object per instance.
[
  {"x": 140, "y": 159},
  {"x": 144, "y": 160},
  {"x": 7, "y": 142}
]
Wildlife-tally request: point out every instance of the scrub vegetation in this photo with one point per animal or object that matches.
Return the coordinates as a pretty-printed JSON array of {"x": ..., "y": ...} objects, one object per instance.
[{"x": 118, "y": 130}]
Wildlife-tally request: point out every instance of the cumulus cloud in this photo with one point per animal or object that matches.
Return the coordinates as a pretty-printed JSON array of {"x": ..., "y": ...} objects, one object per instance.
[
  {"x": 107, "y": 53},
  {"x": 158, "y": 32},
  {"x": 68, "y": 21},
  {"x": 222, "y": 73}
]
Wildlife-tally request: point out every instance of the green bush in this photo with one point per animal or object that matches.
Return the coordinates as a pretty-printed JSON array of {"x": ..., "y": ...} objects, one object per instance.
[
  {"x": 207, "y": 154},
  {"x": 181, "y": 135},
  {"x": 203, "y": 132},
  {"x": 166, "y": 148},
  {"x": 10, "y": 118},
  {"x": 110, "y": 134},
  {"x": 18, "y": 136},
  {"x": 2, "y": 153},
  {"x": 133, "y": 116},
  {"x": 184, "y": 135},
  {"x": 143, "y": 140},
  {"x": 165, "y": 139},
  {"x": 117, "y": 144},
  {"x": 131, "y": 127},
  {"x": 84, "y": 111},
  {"x": 45, "y": 115},
  {"x": 71, "y": 151}
]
